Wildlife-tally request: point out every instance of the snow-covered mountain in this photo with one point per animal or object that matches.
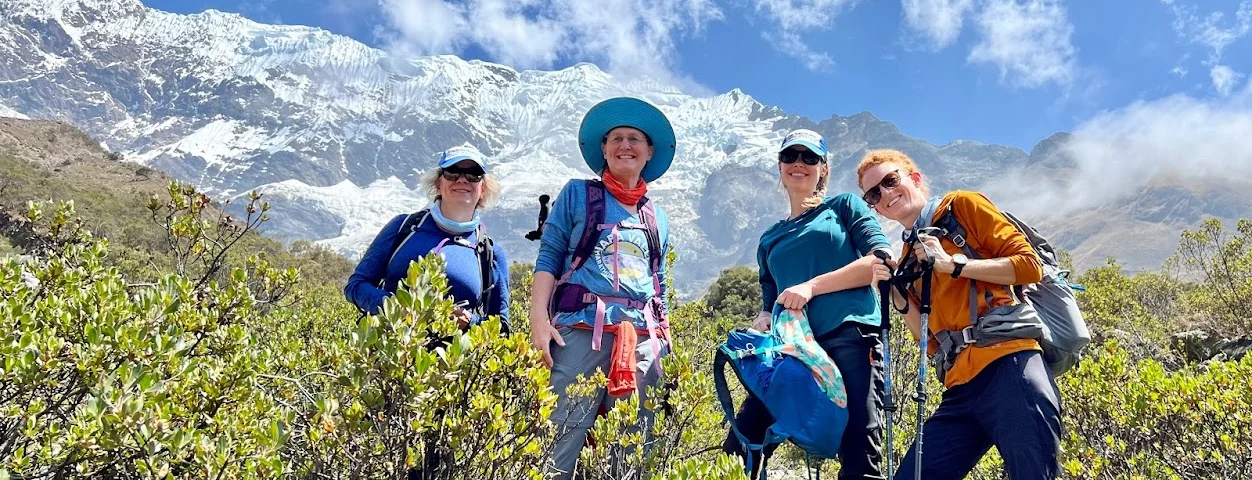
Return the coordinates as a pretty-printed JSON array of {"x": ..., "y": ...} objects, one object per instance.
[
  {"x": 11, "y": 113},
  {"x": 337, "y": 133}
]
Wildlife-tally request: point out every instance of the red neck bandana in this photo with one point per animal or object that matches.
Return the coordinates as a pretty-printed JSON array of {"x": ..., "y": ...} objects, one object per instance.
[{"x": 629, "y": 196}]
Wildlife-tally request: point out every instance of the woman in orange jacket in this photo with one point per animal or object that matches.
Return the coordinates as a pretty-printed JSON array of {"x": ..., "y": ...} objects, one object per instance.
[{"x": 1000, "y": 394}]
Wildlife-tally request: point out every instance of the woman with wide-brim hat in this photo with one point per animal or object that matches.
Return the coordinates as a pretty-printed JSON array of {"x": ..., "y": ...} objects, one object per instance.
[{"x": 598, "y": 297}]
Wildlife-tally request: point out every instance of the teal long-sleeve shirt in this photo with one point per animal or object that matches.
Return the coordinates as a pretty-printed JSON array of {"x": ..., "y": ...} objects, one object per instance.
[{"x": 824, "y": 239}]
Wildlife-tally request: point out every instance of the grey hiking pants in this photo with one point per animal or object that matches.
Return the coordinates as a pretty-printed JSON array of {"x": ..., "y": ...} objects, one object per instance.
[
  {"x": 573, "y": 417},
  {"x": 1013, "y": 404}
]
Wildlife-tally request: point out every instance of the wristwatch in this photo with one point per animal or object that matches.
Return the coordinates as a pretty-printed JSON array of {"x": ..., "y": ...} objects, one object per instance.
[{"x": 958, "y": 262}]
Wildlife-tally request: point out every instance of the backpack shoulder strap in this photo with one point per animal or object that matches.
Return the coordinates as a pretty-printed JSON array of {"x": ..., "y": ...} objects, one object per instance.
[
  {"x": 408, "y": 227},
  {"x": 954, "y": 231},
  {"x": 647, "y": 212},
  {"x": 485, "y": 250},
  {"x": 593, "y": 217}
]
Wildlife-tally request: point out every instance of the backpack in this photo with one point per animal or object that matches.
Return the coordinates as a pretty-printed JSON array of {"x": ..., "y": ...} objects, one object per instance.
[
  {"x": 798, "y": 383},
  {"x": 1046, "y": 310},
  {"x": 568, "y": 297},
  {"x": 483, "y": 249}
]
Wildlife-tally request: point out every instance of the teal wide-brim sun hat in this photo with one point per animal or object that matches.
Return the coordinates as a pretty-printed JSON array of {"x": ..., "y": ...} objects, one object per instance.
[{"x": 627, "y": 112}]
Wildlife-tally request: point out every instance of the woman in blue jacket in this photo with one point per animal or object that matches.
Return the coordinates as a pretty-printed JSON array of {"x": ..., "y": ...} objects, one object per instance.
[
  {"x": 460, "y": 188},
  {"x": 598, "y": 298}
]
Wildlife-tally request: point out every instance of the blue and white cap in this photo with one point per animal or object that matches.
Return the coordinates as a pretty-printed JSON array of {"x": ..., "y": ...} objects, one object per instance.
[
  {"x": 808, "y": 138},
  {"x": 466, "y": 151}
]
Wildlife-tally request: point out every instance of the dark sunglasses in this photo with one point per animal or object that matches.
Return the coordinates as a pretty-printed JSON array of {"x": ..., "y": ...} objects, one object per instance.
[
  {"x": 472, "y": 176},
  {"x": 874, "y": 194},
  {"x": 790, "y": 156}
]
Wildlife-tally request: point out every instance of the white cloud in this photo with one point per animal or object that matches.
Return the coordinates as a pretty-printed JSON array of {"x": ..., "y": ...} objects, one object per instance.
[
  {"x": 1029, "y": 42},
  {"x": 1211, "y": 30},
  {"x": 503, "y": 30},
  {"x": 1224, "y": 79},
  {"x": 790, "y": 43},
  {"x": 630, "y": 37},
  {"x": 798, "y": 14},
  {"x": 940, "y": 21},
  {"x": 1119, "y": 152},
  {"x": 425, "y": 27},
  {"x": 793, "y": 18},
  {"x": 1214, "y": 32}
]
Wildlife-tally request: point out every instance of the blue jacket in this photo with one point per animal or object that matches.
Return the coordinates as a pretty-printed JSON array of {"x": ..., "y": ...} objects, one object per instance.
[
  {"x": 464, "y": 275},
  {"x": 824, "y": 239},
  {"x": 560, "y": 237}
]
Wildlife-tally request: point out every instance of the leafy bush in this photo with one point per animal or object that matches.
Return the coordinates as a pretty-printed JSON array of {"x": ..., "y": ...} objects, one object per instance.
[
  {"x": 221, "y": 371},
  {"x": 1141, "y": 312},
  {"x": 736, "y": 293},
  {"x": 1224, "y": 263},
  {"x": 408, "y": 377},
  {"x": 1128, "y": 419},
  {"x": 216, "y": 359},
  {"x": 104, "y": 378}
]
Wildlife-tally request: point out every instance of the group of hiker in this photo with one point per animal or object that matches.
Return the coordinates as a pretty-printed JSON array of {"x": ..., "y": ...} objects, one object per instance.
[{"x": 599, "y": 299}]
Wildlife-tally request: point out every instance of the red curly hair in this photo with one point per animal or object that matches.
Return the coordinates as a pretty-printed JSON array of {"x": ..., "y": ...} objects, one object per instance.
[{"x": 873, "y": 158}]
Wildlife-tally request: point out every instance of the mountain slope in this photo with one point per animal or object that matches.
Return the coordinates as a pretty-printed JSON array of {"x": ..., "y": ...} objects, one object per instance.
[{"x": 338, "y": 133}]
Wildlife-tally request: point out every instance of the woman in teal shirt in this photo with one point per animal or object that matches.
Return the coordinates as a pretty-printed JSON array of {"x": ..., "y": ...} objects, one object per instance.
[{"x": 820, "y": 258}]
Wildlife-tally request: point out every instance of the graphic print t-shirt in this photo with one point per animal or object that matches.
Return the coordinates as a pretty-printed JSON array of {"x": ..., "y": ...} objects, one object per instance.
[{"x": 625, "y": 254}]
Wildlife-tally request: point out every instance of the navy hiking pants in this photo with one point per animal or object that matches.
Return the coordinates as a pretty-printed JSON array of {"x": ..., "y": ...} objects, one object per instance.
[
  {"x": 1013, "y": 404},
  {"x": 857, "y": 351}
]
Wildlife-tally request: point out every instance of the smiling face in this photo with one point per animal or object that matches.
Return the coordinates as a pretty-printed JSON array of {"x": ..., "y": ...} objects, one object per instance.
[
  {"x": 627, "y": 151},
  {"x": 461, "y": 183},
  {"x": 798, "y": 176},
  {"x": 893, "y": 191}
]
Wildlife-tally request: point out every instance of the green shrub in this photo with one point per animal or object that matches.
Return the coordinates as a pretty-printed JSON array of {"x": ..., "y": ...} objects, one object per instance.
[
  {"x": 229, "y": 368},
  {"x": 104, "y": 379},
  {"x": 215, "y": 358},
  {"x": 1127, "y": 419},
  {"x": 1223, "y": 262}
]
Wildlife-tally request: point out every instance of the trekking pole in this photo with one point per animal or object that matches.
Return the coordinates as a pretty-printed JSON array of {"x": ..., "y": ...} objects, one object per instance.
[
  {"x": 889, "y": 403},
  {"x": 924, "y": 309}
]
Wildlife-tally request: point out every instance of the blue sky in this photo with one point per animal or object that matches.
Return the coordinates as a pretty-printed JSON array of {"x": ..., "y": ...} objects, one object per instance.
[{"x": 998, "y": 71}]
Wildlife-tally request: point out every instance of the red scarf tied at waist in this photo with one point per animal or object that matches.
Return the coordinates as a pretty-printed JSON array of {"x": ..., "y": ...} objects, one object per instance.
[{"x": 629, "y": 196}]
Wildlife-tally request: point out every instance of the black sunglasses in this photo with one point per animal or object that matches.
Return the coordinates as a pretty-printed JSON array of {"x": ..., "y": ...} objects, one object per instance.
[
  {"x": 790, "y": 156},
  {"x": 472, "y": 176},
  {"x": 874, "y": 194}
]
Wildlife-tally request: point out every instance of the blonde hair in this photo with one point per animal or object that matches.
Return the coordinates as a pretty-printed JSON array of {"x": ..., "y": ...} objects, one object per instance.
[
  {"x": 873, "y": 158},
  {"x": 491, "y": 188},
  {"x": 819, "y": 194}
]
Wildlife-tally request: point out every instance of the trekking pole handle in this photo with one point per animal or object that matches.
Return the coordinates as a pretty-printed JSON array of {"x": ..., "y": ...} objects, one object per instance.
[
  {"x": 884, "y": 256},
  {"x": 931, "y": 253},
  {"x": 884, "y": 288}
]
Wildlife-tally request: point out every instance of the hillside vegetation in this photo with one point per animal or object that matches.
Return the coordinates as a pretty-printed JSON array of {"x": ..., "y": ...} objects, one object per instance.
[{"x": 147, "y": 335}]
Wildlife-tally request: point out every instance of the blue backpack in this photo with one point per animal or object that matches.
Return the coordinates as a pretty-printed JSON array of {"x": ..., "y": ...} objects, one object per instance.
[{"x": 795, "y": 379}]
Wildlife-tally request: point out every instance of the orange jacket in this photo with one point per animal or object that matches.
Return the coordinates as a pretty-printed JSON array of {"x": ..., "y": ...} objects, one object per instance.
[{"x": 992, "y": 235}]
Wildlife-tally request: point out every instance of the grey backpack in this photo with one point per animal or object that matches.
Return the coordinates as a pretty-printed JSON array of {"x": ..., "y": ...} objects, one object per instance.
[{"x": 1049, "y": 312}]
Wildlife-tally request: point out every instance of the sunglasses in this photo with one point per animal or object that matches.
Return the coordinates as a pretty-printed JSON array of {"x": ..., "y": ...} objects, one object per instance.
[
  {"x": 790, "y": 156},
  {"x": 472, "y": 176},
  {"x": 874, "y": 194}
]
